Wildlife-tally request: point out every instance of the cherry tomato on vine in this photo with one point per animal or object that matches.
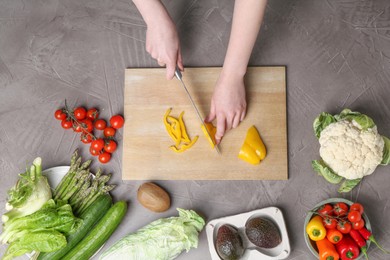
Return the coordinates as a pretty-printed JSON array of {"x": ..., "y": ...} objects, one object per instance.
[
  {"x": 325, "y": 210},
  {"x": 97, "y": 144},
  {"x": 109, "y": 132},
  {"x": 344, "y": 227},
  {"x": 358, "y": 207},
  {"x": 93, "y": 151},
  {"x": 110, "y": 146},
  {"x": 104, "y": 157},
  {"x": 354, "y": 216},
  {"x": 329, "y": 222},
  {"x": 85, "y": 138},
  {"x": 92, "y": 113},
  {"x": 66, "y": 124},
  {"x": 77, "y": 127},
  {"x": 117, "y": 121},
  {"x": 100, "y": 124},
  {"x": 87, "y": 125},
  {"x": 59, "y": 114},
  {"x": 80, "y": 113},
  {"x": 358, "y": 225},
  {"x": 340, "y": 209}
]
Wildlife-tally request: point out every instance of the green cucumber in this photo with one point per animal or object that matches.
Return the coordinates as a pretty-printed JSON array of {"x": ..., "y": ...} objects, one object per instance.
[
  {"x": 90, "y": 217},
  {"x": 99, "y": 234}
]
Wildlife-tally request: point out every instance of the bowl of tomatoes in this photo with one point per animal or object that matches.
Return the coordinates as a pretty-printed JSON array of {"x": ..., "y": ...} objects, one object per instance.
[{"x": 337, "y": 228}]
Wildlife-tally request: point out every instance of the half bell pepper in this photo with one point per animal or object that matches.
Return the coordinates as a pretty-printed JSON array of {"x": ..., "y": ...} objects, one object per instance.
[
  {"x": 209, "y": 133},
  {"x": 315, "y": 228},
  {"x": 253, "y": 149},
  {"x": 347, "y": 248}
]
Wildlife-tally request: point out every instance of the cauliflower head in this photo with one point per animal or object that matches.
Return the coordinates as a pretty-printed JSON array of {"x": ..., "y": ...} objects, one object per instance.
[{"x": 351, "y": 152}]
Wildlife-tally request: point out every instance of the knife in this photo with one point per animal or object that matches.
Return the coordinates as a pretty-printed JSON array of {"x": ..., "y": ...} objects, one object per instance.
[{"x": 180, "y": 78}]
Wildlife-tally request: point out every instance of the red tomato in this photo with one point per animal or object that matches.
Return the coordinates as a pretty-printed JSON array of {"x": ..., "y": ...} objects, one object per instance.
[
  {"x": 329, "y": 222},
  {"x": 358, "y": 207},
  {"x": 80, "y": 113},
  {"x": 93, "y": 151},
  {"x": 358, "y": 225},
  {"x": 86, "y": 138},
  {"x": 354, "y": 216},
  {"x": 109, "y": 132},
  {"x": 104, "y": 157},
  {"x": 77, "y": 127},
  {"x": 97, "y": 144},
  {"x": 344, "y": 226},
  {"x": 100, "y": 124},
  {"x": 110, "y": 146},
  {"x": 59, "y": 114},
  {"x": 340, "y": 209},
  {"x": 92, "y": 113},
  {"x": 87, "y": 125},
  {"x": 325, "y": 210},
  {"x": 117, "y": 121},
  {"x": 66, "y": 124}
]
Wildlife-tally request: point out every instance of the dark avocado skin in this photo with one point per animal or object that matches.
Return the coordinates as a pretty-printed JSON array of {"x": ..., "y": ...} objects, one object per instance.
[
  {"x": 229, "y": 243},
  {"x": 263, "y": 232}
]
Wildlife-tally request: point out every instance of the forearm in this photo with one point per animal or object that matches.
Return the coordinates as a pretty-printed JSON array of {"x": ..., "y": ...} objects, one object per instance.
[
  {"x": 247, "y": 18},
  {"x": 152, "y": 11}
]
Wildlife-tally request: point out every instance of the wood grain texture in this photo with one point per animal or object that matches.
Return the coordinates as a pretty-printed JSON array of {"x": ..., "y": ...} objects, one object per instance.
[{"x": 146, "y": 153}]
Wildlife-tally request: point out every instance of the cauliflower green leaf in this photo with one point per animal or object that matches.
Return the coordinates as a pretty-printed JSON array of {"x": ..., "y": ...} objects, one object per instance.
[
  {"x": 321, "y": 122},
  {"x": 326, "y": 172},
  {"x": 386, "y": 151}
]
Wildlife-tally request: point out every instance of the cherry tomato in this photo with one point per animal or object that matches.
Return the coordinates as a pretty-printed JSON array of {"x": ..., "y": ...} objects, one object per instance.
[
  {"x": 358, "y": 225},
  {"x": 66, "y": 124},
  {"x": 358, "y": 207},
  {"x": 329, "y": 222},
  {"x": 92, "y": 114},
  {"x": 109, "y": 132},
  {"x": 104, "y": 157},
  {"x": 87, "y": 125},
  {"x": 344, "y": 226},
  {"x": 86, "y": 138},
  {"x": 97, "y": 144},
  {"x": 340, "y": 209},
  {"x": 117, "y": 121},
  {"x": 80, "y": 113},
  {"x": 325, "y": 210},
  {"x": 59, "y": 114},
  {"x": 77, "y": 127},
  {"x": 354, "y": 216},
  {"x": 110, "y": 146},
  {"x": 100, "y": 124},
  {"x": 93, "y": 151}
]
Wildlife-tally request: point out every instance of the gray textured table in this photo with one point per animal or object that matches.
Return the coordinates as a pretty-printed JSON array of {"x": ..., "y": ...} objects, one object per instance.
[{"x": 337, "y": 55}]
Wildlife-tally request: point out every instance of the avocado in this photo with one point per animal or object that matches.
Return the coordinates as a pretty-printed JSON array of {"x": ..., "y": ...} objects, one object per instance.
[
  {"x": 229, "y": 243},
  {"x": 262, "y": 232}
]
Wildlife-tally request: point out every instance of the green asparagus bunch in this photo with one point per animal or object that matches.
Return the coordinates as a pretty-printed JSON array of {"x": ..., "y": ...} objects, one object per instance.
[{"x": 80, "y": 187}]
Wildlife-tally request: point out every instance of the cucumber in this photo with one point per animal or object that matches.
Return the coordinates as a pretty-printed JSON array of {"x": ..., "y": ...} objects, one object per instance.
[
  {"x": 90, "y": 217},
  {"x": 99, "y": 234}
]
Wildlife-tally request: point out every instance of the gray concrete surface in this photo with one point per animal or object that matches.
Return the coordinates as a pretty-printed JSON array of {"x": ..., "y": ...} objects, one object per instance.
[{"x": 337, "y": 55}]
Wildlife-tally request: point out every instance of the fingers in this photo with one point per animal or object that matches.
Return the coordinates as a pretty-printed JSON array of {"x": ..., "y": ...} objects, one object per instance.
[
  {"x": 236, "y": 120},
  {"x": 221, "y": 124},
  {"x": 180, "y": 61},
  {"x": 212, "y": 114},
  {"x": 171, "y": 67}
]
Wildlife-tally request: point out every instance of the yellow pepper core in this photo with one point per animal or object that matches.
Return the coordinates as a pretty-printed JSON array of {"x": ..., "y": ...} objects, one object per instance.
[
  {"x": 178, "y": 132},
  {"x": 253, "y": 149},
  {"x": 209, "y": 133},
  {"x": 315, "y": 228}
]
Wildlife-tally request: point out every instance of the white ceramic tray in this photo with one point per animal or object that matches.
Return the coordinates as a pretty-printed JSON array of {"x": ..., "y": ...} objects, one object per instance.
[{"x": 252, "y": 252}]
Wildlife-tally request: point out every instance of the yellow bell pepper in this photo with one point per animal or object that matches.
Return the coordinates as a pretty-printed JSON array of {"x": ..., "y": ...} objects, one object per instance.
[
  {"x": 209, "y": 133},
  {"x": 315, "y": 228},
  {"x": 253, "y": 149},
  {"x": 184, "y": 146}
]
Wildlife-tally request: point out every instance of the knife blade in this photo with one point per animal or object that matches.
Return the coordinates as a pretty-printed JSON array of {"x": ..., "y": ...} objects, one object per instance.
[{"x": 179, "y": 76}]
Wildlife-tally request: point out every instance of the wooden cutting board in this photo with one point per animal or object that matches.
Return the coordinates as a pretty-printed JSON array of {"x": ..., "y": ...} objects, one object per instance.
[{"x": 146, "y": 153}]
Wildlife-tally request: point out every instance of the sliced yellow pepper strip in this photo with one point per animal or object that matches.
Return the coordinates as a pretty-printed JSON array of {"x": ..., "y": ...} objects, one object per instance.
[
  {"x": 185, "y": 146},
  {"x": 253, "y": 149},
  {"x": 169, "y": 127},
  {"x": 209, "y": 133},
  {"x": 184, "y": 135}
]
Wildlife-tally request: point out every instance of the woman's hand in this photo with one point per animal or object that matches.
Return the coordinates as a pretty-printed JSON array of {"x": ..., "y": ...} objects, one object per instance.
[{"x": 228, "y": 104}]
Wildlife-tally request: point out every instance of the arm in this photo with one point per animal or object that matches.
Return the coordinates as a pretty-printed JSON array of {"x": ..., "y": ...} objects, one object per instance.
[
  {"x": 228, "y": 104},
  {"x": 162, "y": 41}
]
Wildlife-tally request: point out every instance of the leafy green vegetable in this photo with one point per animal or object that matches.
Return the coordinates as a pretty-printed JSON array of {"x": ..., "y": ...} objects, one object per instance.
[
  {"x": 326, "y": 172},
  {"x": 386, "y": 151},
  {"x": 348, "y": 185},
  {"x": 364, "y": 121},
  {"x": 163, "y": 239},
  {"x": 321, "y": 122},
  {"x": 29, "y": 194}
]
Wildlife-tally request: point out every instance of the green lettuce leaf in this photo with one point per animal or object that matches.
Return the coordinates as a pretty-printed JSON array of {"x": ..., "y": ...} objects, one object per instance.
[
  {"x": 163, "y": 239},
  {"x": 348, "y": 185},
  {"x": 386, "y": 151},
  {"x": 326, "y": 172},
  {"x": 321, "y": 122}
]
